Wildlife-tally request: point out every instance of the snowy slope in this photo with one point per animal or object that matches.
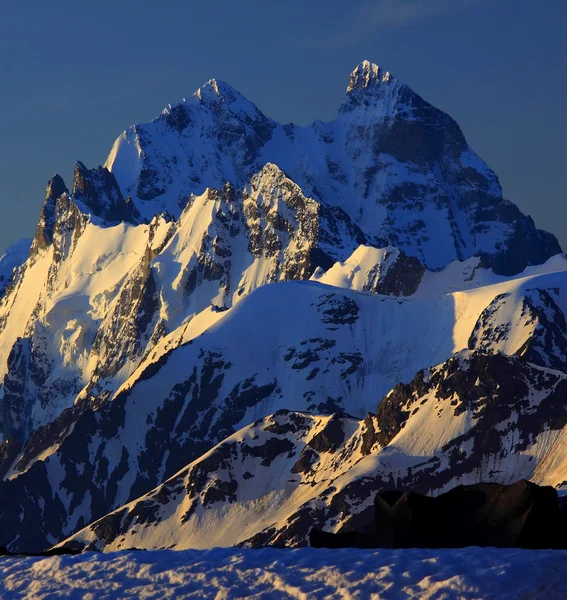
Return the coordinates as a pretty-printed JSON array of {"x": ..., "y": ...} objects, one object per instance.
[
  {"x": 371, "y": 269},
  {"x": 475, "y": 418},
  {"x": 469, "y": 573},
  {"x": 297, "y": 346},
  {"x": 379, "y": 270},
  {"x": 14, "y": 257},
  {"x": 89, "y": 305}
]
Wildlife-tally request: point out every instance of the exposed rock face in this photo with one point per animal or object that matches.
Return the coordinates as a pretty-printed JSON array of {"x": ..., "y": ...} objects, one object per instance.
[
  {"x": 13, "y": 409},
  {"x": 541, "y": 319},
  {"x": 401, "y": 279},
  {"x": 98, "y": 191},
  {"x": 44, "y": 232},
  {"x": 494, "y": 390},
  {"x": 317, "y": 233}
]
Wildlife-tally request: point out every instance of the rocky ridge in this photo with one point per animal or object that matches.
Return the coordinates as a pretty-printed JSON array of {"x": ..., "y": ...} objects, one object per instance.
[{"x": 475, "y": 418}]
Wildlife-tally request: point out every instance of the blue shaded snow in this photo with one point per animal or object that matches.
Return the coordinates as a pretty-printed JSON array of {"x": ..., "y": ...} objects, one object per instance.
[{"x": 305, "y": 573}]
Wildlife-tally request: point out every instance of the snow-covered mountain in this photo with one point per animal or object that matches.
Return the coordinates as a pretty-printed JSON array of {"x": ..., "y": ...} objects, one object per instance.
[
  {"x": 272, "y": 481},
  {"x": 399, "y": 167},
  {"x": 299, "y": 346},
  {"x": 141, "y": 331},
  {"x": 94, "y": 299}
]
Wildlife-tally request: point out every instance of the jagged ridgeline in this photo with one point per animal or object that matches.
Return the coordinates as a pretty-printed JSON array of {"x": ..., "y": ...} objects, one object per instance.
[{"x": 141, "y": 331}]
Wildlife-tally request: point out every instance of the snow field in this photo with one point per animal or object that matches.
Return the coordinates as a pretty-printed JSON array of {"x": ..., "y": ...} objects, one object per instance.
[{"x": 304, "y": 574}]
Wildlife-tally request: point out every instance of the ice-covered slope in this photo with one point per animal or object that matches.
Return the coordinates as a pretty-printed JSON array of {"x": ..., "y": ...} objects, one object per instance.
[
  {"x": 475, "y": 418},
  {"x": 14, "y": 257},
  {"x": 398, "y": 166}
]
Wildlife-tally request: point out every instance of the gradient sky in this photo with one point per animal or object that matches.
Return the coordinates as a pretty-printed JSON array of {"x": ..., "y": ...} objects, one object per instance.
[{"x": 75, "y": 74}]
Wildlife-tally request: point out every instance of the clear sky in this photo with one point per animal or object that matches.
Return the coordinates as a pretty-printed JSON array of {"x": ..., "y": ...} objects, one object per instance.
[{"x": 74, "y": 74}]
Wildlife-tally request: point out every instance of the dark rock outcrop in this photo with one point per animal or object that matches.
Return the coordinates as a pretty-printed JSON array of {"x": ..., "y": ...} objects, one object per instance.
[
  {"x": 401, "y": 278},
  {"x": 520, "y": 515},
  {"x": 98, "y": 190},
  {"x": 44, "y": 231}
]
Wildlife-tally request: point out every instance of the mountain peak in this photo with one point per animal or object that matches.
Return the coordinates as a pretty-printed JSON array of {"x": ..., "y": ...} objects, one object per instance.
[
  {"x": 367, "y": 75},
  {"x": 215, "y": 88},
  {"x": 55, "y": 187}
]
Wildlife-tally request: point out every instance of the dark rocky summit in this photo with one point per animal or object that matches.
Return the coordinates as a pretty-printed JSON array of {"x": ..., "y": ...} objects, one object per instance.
[{"x": 98, "y": 190}]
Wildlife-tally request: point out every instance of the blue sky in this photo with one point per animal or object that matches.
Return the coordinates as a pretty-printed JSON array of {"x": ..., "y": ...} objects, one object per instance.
[{"x": 75, "y": 74}]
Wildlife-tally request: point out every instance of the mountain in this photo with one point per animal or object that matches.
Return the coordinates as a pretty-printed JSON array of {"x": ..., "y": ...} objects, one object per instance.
[
  {"x": 400, "y": 168},
  {"x": 272, "y": 481},
  {"x": 221, "y": 267},
  {"x": 87, "y": 317},
  {"x": 299, "y": 346}
]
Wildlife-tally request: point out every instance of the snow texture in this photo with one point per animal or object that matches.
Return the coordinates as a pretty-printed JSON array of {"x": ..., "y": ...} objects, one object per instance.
[{"x": 470, "y": 573}]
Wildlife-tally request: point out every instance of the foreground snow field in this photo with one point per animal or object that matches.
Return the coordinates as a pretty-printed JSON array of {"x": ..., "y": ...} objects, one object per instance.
[{"x": 305, "y": 573}]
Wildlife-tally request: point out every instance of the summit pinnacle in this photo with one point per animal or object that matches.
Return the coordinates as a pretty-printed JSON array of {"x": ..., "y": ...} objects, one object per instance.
[{"x": 367, "y": 74}]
